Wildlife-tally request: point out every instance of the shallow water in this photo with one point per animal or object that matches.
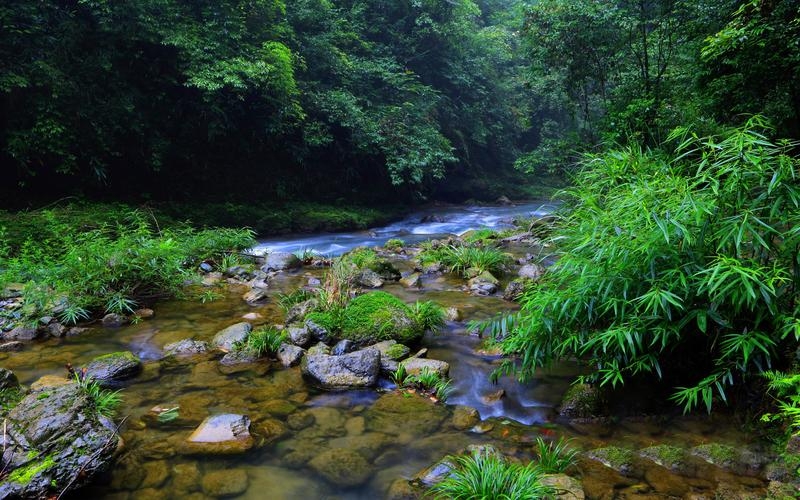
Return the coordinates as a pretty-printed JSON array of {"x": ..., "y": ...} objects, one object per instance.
[{"x": 394, "y": 435}]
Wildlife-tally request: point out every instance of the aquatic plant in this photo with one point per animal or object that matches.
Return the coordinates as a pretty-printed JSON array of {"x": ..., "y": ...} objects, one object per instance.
[
  {"x": 481, "y": 476},
  {"x": 554, "y": 457}
]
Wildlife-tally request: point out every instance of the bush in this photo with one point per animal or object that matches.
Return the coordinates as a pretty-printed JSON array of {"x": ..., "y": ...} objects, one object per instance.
[
  {"x": 481, "y": 476},
  {"x": 683, "y": 268}
]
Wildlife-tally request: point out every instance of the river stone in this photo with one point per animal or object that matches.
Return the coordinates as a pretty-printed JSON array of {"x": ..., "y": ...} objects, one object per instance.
[
  {"x": 255, "y": 296},
  {"x": 357, "y": 369},
  {"x": 186, "y": 347},
  {"x": 401, "y": 489},
  {"x": 279, "y": 261},
  {"x": 453, "y": 314},
  {"x": 299, "y": 335},
  {"x": 111, "y": 369},
  {"x": 155, "y": 473},
  {"x": 514, "y": 290},
  {"x": 414, "y": 366},
  {"x": 391, "y": 349},
  {"x": 413, "y": 280},
  {"x": 223, "y": 434},
  {"x": 144, "y": 313},
  {"x": 437, "y": 472},
  {"x": 343, "y": 347},
  {"x": 465, "y": 417},
  {"x": 55, "y": 440},
  {"x": 290, "y": 355},
  {"x": 621, "y": 460},
  {"x": 318, "y": 332},
  {"x": 483, "y": 284},
  {"x": 113, "y": 320},
  {"x": 227, "y": 482},
  {"x": 50, "y": 381},
  {"x": 405, "y": 414},
  {"x": 368, "y": 278},
  {"x": 225, "y": 339},
  {"x": 56, "y": 329},
  {"x": 21, "y": 333},
  {"x": 531, "y": 272},
  {"x": 12, "y": 346},
  {"x": 299, "y": 311},
  {"x": 566, "y": 487},
  {"x": 319, "y": 348},
  {"x": 238, "y": 357},
  {"x": 8, "y": 380},
  {"x": 185, "y": 477},
  {"x": 580, "y": 401},
  {"x": 342, "y": 467}
]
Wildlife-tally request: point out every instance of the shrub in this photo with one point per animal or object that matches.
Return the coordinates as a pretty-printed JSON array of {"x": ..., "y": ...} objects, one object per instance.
[
  {"x": 786, "y": 389},
  {"x": 482, "y": 476},
  {"x": 683, "y": 268}
]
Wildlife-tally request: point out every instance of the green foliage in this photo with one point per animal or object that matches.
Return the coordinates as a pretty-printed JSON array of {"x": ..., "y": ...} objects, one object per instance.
[
  {"x": 263, "y": 341},
  {"x": 112, "y": 267},
  {"x": 480, "y": 476},
  {"x": 394, "y": 245},
  {"x": 683, "y": 268},
  {"x": 287, "y": 300},
  {"x": 428, "y": 315},
  {"x": 554, "y": 457},
  {"x": 481, "y": 236},
  {"x": 427, "y": 381},
  {"x": 9, "y": 397},
  {"x": 786, "y": 390},
  {"x": 459, "y": 258},
  {"x": 104, "y": 401}
]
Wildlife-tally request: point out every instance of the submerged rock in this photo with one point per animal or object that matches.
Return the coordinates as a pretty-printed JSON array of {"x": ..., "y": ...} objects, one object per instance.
[
  {"x": 342, "y": 467},
  {"x": 223, "y": 483},
  {"x": 565, "y": 487},
  {"x": 186, "y": 347},
  {"x": 112, "y": 369},
  {"x": 222, "y": 434},
  {"x": 55, "y": 440},
  {"x": 357, "y": 369},
  {"x": 225, "y": 339},
  {"x": 465, "y": 417}
]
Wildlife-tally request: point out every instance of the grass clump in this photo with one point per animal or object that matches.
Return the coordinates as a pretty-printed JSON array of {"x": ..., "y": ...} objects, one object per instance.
[
  {"x": 426, "y": 381},
  {"x": 394, "y": 245},
  {"x": 104, "y": 401},
  {"x": 459, "y": 258},
  {"x": 287, "y": 300},
  {"x": 482, "y": 476},
  {"x": 554, "y": 457},
  {"x": 675, "y": 267},
  {"x": 263, "y": 341}
]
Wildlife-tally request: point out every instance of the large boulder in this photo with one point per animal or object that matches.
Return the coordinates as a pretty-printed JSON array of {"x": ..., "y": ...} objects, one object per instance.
[
  {"x": 21, "y": 332},
  {"x": 222, "y": 434},
  {"x": 110, "y": 370},
  {"x": 290, "y": 355},
  {"x": 357, "y": 369},
  {"x": 368, "y": 278},
  {"x": 483, "y": 284},
  {"x": 377, "y": 316},
  {"x": 280, "y": 261},
  {"x": 225, "y": 339},
  {"x": 54, "y": 440},
  {"x": 580, "y": 401}
]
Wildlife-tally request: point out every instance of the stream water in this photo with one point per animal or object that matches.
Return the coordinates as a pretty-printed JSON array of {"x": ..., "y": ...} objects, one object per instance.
[{"x": 396, "y": 435}]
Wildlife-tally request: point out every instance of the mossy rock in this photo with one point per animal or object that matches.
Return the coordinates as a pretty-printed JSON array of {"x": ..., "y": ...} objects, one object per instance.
[
  {"x": 621, "y": 460},
  {"x": 580, "y": 401},
  {"x": 377, "y": 316}
]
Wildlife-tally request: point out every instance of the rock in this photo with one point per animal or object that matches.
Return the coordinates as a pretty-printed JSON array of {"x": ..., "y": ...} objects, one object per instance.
[
  {"x": 227, "y": 482},
  {"x": 222, "y": 434},
  {"x": 280, "y": 261},
  {"x": 290, "y": 355},
  {"x": 76, "y": 330},
  {"x": 566, "y": 487},
  {"x": 514, "y": 290},
  {"x": 482, "y": 428},
  {"x": 113, "y": 320},
  {"x": 186, "y": 347},
  {"x": 414, "y": 366},
  {"x": 56, "y": 329},
  {"x": 453, "y": 314},
  {"x": 255, "y": 296},
  {"x": 400, "y": 489},
  {"x": 738, "y": 460},
  {"x": 238, "y": 357},
  {"x": 503, "y": 200},
  {"x": 342, "y": 467},
  {"x": 580, "y": 401},
  {"x": 793, "y": 445},
  {"x": 465, "y": 417},
  {"x": 55, "y": 440},
  {"x": 299, "y": 311},
  {"x": 318, "y": 332},
  {"x": 155, "y": 474},
  {"x": 225, "y": 339},
  {"x": 8, "y": 380},
  {"x": 49, "y": 381},
  {"x": 531, "y": 272},
  {"x": 21, "y": 333},
  {"x": 168, "y": 414},
  {"x": 343, "y": 347},
  {"x": 483, "y": 284},
  {"x": 391, "y": 349},
  {"x": 433, "y": 268},
  {"x": 109, "y": 370},
  {"x": 206, "y": 267},
  {"x": 437, "y": 472},
  {"x": 252, "y": 316},
  {"x": 621, "y": 460},
  {"x": 185, "y": 476},
  {"x": 413, "y": 280},
  {"x": 319, "y": 348},
  {"x": 211, "y": 279},
  {"x": 357, "y": 369},
  {"x": 144, "y": 313},
  {"x": 368, "y": 278},
  {"x": 493, "y": 397},
  {"x": 299, "y": 335},
  {"x": 12, "y": 346}
]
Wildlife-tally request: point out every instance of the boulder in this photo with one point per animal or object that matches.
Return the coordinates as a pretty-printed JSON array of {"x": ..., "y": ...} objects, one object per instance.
[
  {"x": 113, "y": 320},
  {"x": 319, "y": 348},
  {"x": 21, "y": 333},
  {"x": 368, "y": 278},
  {"x": 8, "y": 380},
  {"x": 465, "y": 417},
  {"x": 225, "y": 483},
  {"x": 255, "y": 296},
  {"x": 483, "y": 284},
  {"x": 280, "y": 261},
  {"x": 290, "y": 355},
  {"x": 580, "y": 401},
  {"x": 437, "y": 472},
  {"x": 54, "y": 439},
  {"x": 391, "y": 353},
  {"x": 225, "y": 339},
  {"x": 414, "y": 366},
  {"x": 186, "y": 347},
  {"x": 222, "y": 434},
  {"x": 109, "y": 370},
  {"x": 357, "y": 369},
  {"x": 342, "y": 467},
  {"x": 56, "y": 329},
  {"x": 413, "y": 280},
  {"x": 299, "y": 335},
  {"x": 317, "y": 331},
  {"x": 531, "y": 272},
  {"x": 514, "y": 290},
  {"x": 343, "y": 347},
  {"x": 238, "y": 357}
]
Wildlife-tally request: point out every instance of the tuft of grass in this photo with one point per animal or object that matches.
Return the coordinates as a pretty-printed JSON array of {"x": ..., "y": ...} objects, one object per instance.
[
  {"x": 263, "y": 341},
  {"x": 459, "y": 258},
  {"x": 484, "y": 476},
  {"x": 394, "y": 245},
  {"x": 105, "y": 402},
  {"x": 554, "y": 457},
  {"x": 287, "y": 300},
  {"x": 428, "y": 315},
  {"x": 427, "y": 381}
]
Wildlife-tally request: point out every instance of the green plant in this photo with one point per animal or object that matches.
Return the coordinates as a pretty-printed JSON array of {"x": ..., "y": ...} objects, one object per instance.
[
  {"x": 786, "y": 390},
  {"x": 230, "y": 260},
  {"x": 394, "y": 244},
  {"x": 682, "y": 268},
  {"x": 459, "y": 258},
  {"x": 400, "y": 375},
  {"x": 263, "y": 341},
  {"x": 210, "y": 295},
  {"x": 428, "y": 315},
  {"x": 428, "y": 381},
  {"x": 483, "y": 235},
  {"x": 104, "y": 401},
  {"x": 482, "y": 476},
  {"x": 287, "y": 300},
  {"x": 554, "y": 457},
  {"x": 378, "y": 316},
  {"x": 306, "y": 255}
]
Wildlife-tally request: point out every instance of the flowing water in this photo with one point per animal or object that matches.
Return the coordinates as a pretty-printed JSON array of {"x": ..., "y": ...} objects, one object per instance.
[{"x": 394, "y": 435}]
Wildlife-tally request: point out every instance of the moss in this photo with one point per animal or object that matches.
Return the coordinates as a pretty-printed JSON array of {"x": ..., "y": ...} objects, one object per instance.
[
  {"x": 24, "y": 475},
  {"x": 718, "y": 454},
  {"x": 394, "y": 244},
  {"x": 379, "y": 316},
  {"x": 397, "y": 351},
  {"x": 665, "y": 455},
  {"x": 9, "y": 398},
  {"x": 326, "y": 320}
]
